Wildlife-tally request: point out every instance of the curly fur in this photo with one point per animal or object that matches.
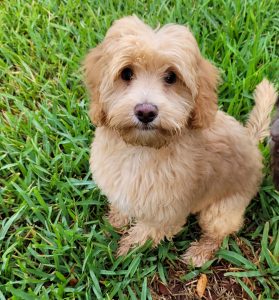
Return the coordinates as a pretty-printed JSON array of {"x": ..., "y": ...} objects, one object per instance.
[{"x": 193, "y": 159}]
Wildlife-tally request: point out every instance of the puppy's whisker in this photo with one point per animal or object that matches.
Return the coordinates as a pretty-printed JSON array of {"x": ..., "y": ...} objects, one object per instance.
[{"x": 176, "y": 127}]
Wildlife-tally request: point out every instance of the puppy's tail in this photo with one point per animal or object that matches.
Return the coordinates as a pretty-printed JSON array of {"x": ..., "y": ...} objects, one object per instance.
[{"x": 259, "y": 120}]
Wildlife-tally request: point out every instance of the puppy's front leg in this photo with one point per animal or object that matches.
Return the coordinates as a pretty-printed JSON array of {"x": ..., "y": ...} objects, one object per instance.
[{"x": 141, "y": 232}]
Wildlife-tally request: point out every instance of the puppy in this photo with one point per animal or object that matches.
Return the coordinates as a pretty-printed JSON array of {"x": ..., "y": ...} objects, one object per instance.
[{"x": 162, "y": 150}]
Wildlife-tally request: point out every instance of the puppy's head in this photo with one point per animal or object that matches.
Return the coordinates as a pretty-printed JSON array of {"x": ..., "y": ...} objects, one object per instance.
[{"x": 150, "y": 84}]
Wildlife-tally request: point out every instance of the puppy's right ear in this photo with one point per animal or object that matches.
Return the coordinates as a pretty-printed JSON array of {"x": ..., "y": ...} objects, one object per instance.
[
  {"x": 93, "y": 69},
  {"x": 206, "y": 101}
]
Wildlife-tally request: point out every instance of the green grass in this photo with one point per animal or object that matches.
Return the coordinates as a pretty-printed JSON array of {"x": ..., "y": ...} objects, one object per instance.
[{"x": 54, "y": 240}]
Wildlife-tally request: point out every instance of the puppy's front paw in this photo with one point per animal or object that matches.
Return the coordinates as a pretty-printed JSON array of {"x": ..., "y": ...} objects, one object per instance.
[
  {"x": 136, "y": 236},
  {"x": 200, "y": 252},
  {"x": 117, "y": 219},
  {"x": 124, "y": 245}
]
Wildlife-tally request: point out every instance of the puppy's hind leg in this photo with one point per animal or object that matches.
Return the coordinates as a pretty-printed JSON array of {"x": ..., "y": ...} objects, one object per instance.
[
  {"x": 217, "y": 221},
  {"x": 141, "y": 232}
]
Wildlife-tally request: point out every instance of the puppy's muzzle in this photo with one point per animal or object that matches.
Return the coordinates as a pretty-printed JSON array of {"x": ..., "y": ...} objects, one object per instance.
[{"x": 146, "y": 112}]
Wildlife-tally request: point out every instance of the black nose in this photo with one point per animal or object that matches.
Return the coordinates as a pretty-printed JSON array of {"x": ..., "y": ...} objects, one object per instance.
[{"x": 146, "y": 112}]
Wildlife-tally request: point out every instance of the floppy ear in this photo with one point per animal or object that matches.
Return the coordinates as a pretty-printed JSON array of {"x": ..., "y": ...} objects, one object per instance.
[
  {"x": 93, "y": 73},
  {"x": 206, "y": 105}
]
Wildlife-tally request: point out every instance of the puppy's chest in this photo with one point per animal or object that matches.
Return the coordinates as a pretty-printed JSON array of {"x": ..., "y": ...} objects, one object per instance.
[{"x": 140, "y": 181}]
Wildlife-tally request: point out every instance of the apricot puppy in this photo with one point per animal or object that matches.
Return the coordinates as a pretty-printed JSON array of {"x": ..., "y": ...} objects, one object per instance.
[{"x": 162, "y": 150}]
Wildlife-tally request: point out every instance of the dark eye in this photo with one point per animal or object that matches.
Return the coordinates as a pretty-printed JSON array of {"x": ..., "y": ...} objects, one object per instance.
[
  {"x": 170, "y": 77},
  {"x": 127, "y": 74}
]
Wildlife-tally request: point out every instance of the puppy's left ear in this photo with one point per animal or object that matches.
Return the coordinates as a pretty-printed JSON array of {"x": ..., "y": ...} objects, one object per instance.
[
  {"x": 93, "y": 68},
  {"x": 206, "y": 105}
]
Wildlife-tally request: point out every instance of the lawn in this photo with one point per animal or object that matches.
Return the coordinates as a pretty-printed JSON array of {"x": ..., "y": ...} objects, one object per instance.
[{"x": 55, "y": 242}]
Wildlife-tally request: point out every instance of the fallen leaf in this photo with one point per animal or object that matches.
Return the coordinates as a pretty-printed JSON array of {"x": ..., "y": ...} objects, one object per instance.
[
  {"x": 201, "y": 285},
  {"x": 163, "y": 289},
  {"x": 73, "y": 282}
]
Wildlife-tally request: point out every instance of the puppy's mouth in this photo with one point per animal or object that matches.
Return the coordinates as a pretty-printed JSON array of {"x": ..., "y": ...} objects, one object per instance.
[
  {"x": 149, "y": 135},
  {"x": 146, "y": 127}
]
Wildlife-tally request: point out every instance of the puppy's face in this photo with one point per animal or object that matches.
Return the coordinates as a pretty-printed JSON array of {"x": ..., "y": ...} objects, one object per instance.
[{"x": 146, "y": 83}]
